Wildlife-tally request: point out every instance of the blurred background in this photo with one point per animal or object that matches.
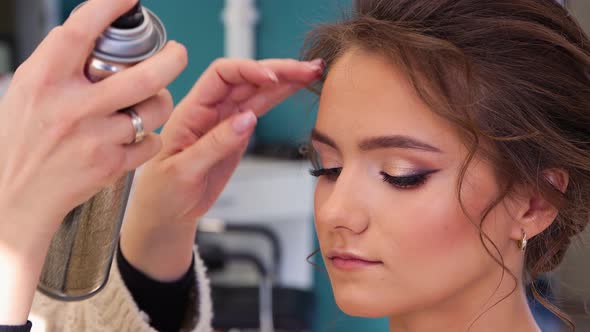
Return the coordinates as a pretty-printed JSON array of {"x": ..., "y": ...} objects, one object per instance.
[{"x": 257, "y": 237}]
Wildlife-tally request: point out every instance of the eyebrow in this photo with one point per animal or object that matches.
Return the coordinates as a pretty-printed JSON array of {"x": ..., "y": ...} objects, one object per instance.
[{"x": 379, "y": 142}]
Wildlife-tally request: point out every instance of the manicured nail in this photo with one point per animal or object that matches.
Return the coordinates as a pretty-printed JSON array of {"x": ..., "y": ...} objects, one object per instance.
[
  {"x": 244, "y": 122},
  {"x": 273, "y": 77},
  {"x": 318, "y": 65}
]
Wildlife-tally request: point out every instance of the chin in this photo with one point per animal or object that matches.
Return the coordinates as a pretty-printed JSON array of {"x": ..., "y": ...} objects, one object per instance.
[{"x": 358, "y": 302}]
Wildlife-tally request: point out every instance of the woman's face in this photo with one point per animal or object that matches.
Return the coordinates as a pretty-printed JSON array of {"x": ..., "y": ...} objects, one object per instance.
[{"x": 391, "y": 229}]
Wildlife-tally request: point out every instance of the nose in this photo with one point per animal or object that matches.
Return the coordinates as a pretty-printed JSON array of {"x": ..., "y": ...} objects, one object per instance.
[{"x": 342, "y": 206}]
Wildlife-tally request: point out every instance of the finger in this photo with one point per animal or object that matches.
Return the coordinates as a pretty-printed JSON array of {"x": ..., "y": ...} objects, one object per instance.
[
  {"x": 192, "y": 119},
  {"x": 138, "y": 153},
  {"x": 221, "y": 142},
  {"x": 218, "y": 80},
  {"x": 242, "y": 92},
  {"x": 53, "y": 59},
  {"x": 86, "y": 24},
  {"x": 291, "y": 70},
  {"x": 188, "y": 124},
  {"x": 231, "y": 104},
  {"x": 199, "y": 119},
  {"x": 153, "y": 112},
  {"x": 141, "y": 81},
  {"x": 262, "y": 102},
  {"x": 226, "y": 81}
]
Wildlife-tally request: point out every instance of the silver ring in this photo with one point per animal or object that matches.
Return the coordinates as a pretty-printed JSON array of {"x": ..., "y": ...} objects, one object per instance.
[{"x": 137, "y": 123}]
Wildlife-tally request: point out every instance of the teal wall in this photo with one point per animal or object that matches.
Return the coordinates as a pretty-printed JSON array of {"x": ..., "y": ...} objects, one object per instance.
[{"x": 282, "y": 27}]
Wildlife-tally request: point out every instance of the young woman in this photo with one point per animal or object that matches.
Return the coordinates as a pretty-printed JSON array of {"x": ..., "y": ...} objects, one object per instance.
[{"x": 452, "y": 148}]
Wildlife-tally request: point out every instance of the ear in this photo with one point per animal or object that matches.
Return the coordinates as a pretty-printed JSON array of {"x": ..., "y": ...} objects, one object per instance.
[{"x": 535, "y": 213}]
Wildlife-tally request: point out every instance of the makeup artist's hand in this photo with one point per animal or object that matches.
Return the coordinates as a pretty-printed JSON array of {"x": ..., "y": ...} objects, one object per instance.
[
  {"x": 62, "y": 140},
  {"x": 203, "y": 143}
]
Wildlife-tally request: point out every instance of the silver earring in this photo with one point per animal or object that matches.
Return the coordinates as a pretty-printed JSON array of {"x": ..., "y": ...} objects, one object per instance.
[{"x": 523, "y": 242}]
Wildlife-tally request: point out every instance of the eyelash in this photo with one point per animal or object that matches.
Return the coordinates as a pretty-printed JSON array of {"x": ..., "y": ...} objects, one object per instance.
[
  {"x": 402, "y": 182},
  {"x": 330, "y": 173}
]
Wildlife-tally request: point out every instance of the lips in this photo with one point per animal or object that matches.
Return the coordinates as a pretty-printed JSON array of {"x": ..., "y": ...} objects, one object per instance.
[{"x": 349, "y": 261}]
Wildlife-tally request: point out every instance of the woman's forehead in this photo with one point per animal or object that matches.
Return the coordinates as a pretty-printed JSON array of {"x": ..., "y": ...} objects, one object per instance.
[{"x": 364, "y": 95}]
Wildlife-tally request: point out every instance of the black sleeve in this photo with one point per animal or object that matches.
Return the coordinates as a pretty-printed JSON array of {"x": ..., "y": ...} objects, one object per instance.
[
  {"x": 164, "y": 302},
  {"x": 16, "y": 328}
]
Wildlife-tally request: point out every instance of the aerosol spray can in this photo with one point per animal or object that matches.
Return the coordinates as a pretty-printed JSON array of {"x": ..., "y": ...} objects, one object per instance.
[{"x": 81, "y": 252}]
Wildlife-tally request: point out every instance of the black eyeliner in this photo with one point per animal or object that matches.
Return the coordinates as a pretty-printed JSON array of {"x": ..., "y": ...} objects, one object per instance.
[{"x": 407, "y": 181}]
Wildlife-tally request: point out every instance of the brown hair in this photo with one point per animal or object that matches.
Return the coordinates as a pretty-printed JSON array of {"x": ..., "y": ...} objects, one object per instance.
[{"x": 512, "y": 75}]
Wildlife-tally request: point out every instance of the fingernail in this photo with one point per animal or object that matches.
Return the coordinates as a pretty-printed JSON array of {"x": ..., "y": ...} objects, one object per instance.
[
  {"x": 273, "y": 77},
  {"x": 244, "y": 122},
  {"x": 317, "y": 65}
]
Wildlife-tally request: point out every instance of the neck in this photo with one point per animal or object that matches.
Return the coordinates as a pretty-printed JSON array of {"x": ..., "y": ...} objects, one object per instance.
[{"x": 468, "y": 312}]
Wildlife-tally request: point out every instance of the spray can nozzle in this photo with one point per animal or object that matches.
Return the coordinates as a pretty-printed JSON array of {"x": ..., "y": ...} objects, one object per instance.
[{"x": 132, "y": 19}]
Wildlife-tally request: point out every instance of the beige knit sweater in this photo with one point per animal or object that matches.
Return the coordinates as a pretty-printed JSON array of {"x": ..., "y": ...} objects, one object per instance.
[{"x": 113, "y": 309}]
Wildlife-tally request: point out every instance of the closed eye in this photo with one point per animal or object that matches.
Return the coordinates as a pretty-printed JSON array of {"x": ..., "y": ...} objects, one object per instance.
[
  {"x": 407, "y": 181},
  {"x": 330, "y": 173},
  {"x": 400, "y": 182}
]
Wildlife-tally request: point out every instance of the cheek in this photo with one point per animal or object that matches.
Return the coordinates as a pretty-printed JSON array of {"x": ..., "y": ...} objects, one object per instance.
[
  {"x": 429, "y": 222},
  {"x": 434, "y": 221},
  {"x": 437, "y": 242},
  {"x": 428, "y": 238}
]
